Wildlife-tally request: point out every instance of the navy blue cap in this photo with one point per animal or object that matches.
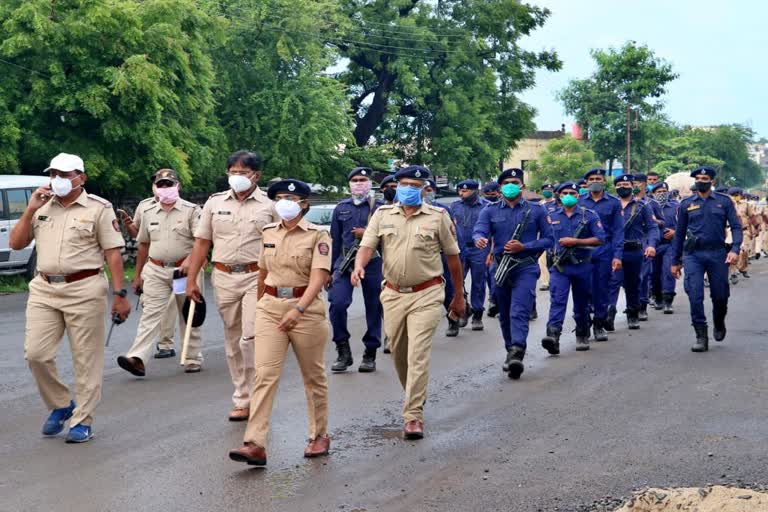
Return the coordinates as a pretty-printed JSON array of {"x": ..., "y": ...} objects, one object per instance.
[
  {"x": 413, "y": 171},
  {"x": 722, "y": 189},
  {"x": 596, "y": 170},
  {"x": 289, "y": 186},
  {"x": 360, "y": 171},
  {"x": 581, "y": 182},
  {"x": 468, "y": 185},
  {"x": 511, "y": 173},
  {"x": 659, "y": 185},
  {"x": 622, "y": 178},
  {"x": 639, "y": 177},
  {"x": 491, "y": 186},
  {"x": 705, "y": 170},
  {"x": 387, "y": 179},
  {"x": 568, "y": 185},
  {"x": 735, "y": 191},
  {"x": 431, "y": 183},
  {"x": 547, "y": 186}
]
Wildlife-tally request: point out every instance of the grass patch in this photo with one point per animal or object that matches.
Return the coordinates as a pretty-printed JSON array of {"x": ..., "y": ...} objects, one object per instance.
[{"x": 13, "y": 284}]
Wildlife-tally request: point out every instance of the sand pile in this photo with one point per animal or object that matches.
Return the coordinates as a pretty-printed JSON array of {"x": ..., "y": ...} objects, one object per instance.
[{"x": 698, "y": 499}]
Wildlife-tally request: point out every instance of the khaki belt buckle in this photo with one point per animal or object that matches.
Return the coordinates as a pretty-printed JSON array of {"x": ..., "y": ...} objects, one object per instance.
[
  {"x": 169, "y": 264},
  {"x": 284, "y": 293},
  {"x": 238, "y": 269},
  {"x": 406, "y": 289},
  {"x": 57, "y": 279}
]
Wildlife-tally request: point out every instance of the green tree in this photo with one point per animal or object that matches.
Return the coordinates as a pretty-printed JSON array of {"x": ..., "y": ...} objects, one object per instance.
[
  {"x": 563, "y": 159},
  {"x": 630, "y": 77},
  {"x": 125, "y": 84}
]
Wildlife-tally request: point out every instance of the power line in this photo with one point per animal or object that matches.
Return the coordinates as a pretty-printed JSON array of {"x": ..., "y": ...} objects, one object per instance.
[{"x": 19, "y": 66}]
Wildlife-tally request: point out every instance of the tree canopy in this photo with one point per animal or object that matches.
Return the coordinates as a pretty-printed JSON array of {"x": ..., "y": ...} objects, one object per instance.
[{"x": 563, "y": 159}]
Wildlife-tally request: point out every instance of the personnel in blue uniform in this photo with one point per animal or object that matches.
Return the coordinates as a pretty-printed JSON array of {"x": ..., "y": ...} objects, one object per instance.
[
  {"x": 606, "y": 259},
  {"x": 465, "y": 213},
  {"x": 662, "y": 282},
  {"x": 492, "y": 195},
  {"x": 700, "y": 247},
  {"x": 497, "y": 225},
  {"x": 640, "y": 189},
  {"x": 545, "y": 260},
  {"x": 576, "y": 230},
  {"x": 641, "y": 235},
  {"x": 388, "y": 189},
  {"x": 348, "y": 223},
  {"x": 583, "y": 190}
]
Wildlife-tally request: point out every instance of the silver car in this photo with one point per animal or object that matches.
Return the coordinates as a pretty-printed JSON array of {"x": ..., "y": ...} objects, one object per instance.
[
  {"x": 15, "y": 192},
  {"x": 320, "y": 214}
]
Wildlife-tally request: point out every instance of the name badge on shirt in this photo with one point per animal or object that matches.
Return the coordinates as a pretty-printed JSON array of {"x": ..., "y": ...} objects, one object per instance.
[
  {"x": 269, "y": 246},
  {"x": 154, "y": 223},
  {"x": 694, "y": 207},
  {"x": 42, "y": 217},
  {"x": 223, "y": 213},
  {"x": 554, "y": 222},
  {"x": 383, "y": 226}
]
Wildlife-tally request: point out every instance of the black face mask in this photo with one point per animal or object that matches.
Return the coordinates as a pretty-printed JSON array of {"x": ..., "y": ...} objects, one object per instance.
[
  {"x": 389, "y": 194},
  {"x": 470, "y": 198},
  {"x": 624, "y": 192},
  {"x": 492, "y": 199},
  {"x": 703, "y": 186}
]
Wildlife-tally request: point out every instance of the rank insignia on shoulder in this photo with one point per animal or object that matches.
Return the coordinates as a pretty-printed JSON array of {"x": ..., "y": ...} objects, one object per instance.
[
  {"x": 323, "y": 248},
  {"x": 115, "y": 225}
]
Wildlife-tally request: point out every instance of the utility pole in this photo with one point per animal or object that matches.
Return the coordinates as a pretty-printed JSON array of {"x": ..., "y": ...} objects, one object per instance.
[{"x": 629, "y": 140}]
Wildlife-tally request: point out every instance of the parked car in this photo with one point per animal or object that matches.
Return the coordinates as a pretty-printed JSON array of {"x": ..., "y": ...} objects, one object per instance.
[
  {"x": 320, "y": 214},
  {"x": 15, "y": 192}
]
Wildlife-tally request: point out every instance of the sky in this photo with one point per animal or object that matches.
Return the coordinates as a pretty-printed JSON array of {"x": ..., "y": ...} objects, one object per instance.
[{"x": 718, "y": 49}]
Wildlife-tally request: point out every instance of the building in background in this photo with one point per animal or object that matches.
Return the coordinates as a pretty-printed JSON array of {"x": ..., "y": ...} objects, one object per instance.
[{"x": 529, "y": 148}]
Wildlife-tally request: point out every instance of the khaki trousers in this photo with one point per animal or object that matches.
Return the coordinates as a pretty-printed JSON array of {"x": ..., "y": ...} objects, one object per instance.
[
  {"x": 410, "y": 320},
  {"x": 236, "y": 298},
  {"x": 158, "y": 285},
  {"x": 167, "y": 325},
  {"x": 79, "y": 308},
  {"x": 544, "y": 278},
  {"x": 308, "y": 339}
]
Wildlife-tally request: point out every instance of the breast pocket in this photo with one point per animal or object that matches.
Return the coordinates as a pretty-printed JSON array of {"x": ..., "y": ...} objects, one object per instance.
[
  {"x": 81, "y": 232},
  {"x": 154, "y": 232},
  {"x": 182, "y": 231},
  {"x": 301, "y": 255},
  {"x": 223, "y": 224},
  {"x": 260, "y": 219},
  {"x": 426, "y": 240}
]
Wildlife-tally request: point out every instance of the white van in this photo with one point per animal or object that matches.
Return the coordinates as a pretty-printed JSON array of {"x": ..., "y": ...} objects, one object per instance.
[{"x": 15, "y": 192}]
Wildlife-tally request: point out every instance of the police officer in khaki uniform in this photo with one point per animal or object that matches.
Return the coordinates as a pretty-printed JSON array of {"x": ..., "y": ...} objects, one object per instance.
[
  {"x": 168, "y": 324},
  {"x": 74, "y": 232},
  {"x": 746, "y": 213},
  {"x": 165, "y": 240},
  {"x": 294, "y": 266},
  {"x": 232, "y": 221},
  {"x": 412, "y": 235}
]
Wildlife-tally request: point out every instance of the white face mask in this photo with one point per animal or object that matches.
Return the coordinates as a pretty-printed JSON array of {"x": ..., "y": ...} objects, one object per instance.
[
  {"x": 239, "y": 183},
  {"x": 61, "y": 186},
  {"x": 287, "y": 209}
]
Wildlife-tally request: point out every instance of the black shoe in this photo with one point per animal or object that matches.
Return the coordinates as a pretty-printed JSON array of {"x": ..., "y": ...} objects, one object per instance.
[
  {"x": 369, "y": 361},
  {"x": 609, "y": 321},
  {"x": 534, "y": 314},
  {"x": 477, "y": 320},
  {"x": 551, "y": 342},
  {"x": 344, "y": 360},
  {"x": 164, "y": 353},
  {"x": 464, "y": 319},
  {"x": 719, "y": 311},
  {"x": 386, "y": 349},
  {"x": 658, "y": 303},
  {"x": 642, "y": 313},
  {"x": 514, "y": 362},
  {"x": 702, "y": 341},
  {"x": 633, "y": 322},
  {"x": 599, "y": 330},
  {"x": 734, "y": 279},
  {"x": 493, "y": 310},
  {"x": 668, "y": 298},
  {"x": 453, "y": 328},
  {"x": 745, "y": 274}
]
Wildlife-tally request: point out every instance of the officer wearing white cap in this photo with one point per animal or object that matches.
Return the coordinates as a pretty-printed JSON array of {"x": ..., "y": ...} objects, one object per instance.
[{"x": 74, "y": 232}]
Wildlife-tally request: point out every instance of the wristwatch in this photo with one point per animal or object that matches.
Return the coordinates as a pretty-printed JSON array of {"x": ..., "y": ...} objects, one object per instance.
[
  {"x": 121, "y": 293},
  {"x": 299, "y": 309}
]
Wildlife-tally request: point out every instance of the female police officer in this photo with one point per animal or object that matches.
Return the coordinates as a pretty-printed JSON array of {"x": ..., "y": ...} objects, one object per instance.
[{"x": 295, "y": 264}]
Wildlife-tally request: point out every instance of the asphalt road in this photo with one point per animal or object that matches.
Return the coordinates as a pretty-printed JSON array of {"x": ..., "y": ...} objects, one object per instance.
[{"x": 638, "y": 410}]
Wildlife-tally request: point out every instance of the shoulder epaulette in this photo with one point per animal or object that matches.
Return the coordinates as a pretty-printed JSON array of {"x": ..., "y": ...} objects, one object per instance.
[
  {"x": 215, "y": 194},
  {"x": 150, "y": 208},
  {"x": 386, "y": 207},
  {"x": 313, "y": 227},
  {"x": 101, "y": 200},
  {"x": 146, "y": 200},
  {"x": 270, "y": 225},
  {"x": 188, "y": 204}
]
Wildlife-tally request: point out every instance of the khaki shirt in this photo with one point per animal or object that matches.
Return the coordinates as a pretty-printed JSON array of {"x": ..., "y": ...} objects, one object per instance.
[
  {"x": 74, "y": 238},
  {"x": 411, "y": 245},
  {"x": 235, "y": 227},
  {"x": 745, "y": 211},
  {"x": 142, "y": 207},
  {"x": 290, "y": 256},
  {"x": 169, "y": 233}
]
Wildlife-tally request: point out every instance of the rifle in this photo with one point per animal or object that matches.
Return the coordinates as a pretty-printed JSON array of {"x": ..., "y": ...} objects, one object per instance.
[
  {"x": 508, "y": 261},
  {"x": 349, "y": 259},
  {"x": 567, "y": 254},
  {"x": 635, "y": 212}
]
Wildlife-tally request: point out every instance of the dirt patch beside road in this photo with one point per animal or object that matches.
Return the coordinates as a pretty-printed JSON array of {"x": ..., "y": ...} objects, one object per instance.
[{"x": 699, "y": 499}]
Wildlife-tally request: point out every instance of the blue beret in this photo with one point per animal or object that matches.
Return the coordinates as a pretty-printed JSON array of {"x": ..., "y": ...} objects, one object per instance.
[
  {"x": 413, "y": 171},
  {"x": 596, "y": 170},
  {"x": 491, "y": 186},
  {"x": 468, "y": 185},
  {"x": 659, "y": 185},
  {"x": 547, "y": 185},
  {"x": 622, "y": 178},
  {"x": 733, "y": 191},
  {"x": 360, "y": 171},
  {"x": 705, "y": 170},
  {"x": 430, "y": 183},
  {"x": 639, "y": 177},
  {"x": 387, "y": 179},
  {"x": 568, "y": 185},
  {"x": 510, "y": 173},
  {"x": 289, "y": 186},
  {"x": 581, "y": 182},
  {"x": 721, "y": 189}
]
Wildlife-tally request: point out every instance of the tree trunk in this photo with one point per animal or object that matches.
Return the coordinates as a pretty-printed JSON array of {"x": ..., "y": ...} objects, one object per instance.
[{"x": 374, "y": 115}]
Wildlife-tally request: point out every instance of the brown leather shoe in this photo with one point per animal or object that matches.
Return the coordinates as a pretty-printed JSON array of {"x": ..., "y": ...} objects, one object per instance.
[
  {"x": 132, "y": 365},
  {"x": 192, "y": 368},
  {"x": 318, "y": 446},
  {"x": 414, "y": 429},
  {"x": 250, "y": 453},
  {"x": 239, "y": 414}
]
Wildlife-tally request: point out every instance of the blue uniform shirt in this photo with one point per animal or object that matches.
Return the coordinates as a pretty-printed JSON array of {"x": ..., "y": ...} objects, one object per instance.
[
  {"x": 643, "y": 226},
  {"x": 346, "y": 216},
  {"x": 564, "y": 226},
  {"x": 497, "y": 222},
  {"x": 550, "y": 205},
  {"x": 668, "y": 217},
  {"x": 706, "y": 218},
  {"x": 466, "y": 215},
  {"x": 608, "y": 208}
]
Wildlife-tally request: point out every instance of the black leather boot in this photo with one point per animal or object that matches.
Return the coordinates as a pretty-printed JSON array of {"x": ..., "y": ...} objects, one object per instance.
[
  {"x": 514, "y": 362},
  {"x": 551, "y": 342},
  {"x": 493, "y": 309},
  {"x": 642, "y": 313},
  {"x": 582, "y": 338},
  {"x": 369, "y": 361},
  {"x": 702, "y": 341},
  {"x": 534, "y": 313},
  {"x": 477, "y": 320},
  {"x": 344, "y": 360},
  {"x": 608, "y": 325},
  {"x": 632, "y": 321},
  {"x": 719, "y": 311},
  {"x": 668, "y": 298},
  {"x": 453, "y": 328},
  {"x": 599, "y": 330},
  {"x": 658, "y": 302}
]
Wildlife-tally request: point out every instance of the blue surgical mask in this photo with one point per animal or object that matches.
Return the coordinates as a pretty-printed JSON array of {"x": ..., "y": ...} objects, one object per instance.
[
  {"x": 648, "y": 188},
  {"x": 408, "y": 196}
]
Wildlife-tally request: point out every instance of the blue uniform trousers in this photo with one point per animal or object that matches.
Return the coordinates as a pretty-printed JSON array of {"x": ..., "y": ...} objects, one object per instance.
[
  {"x": 645, "y": 280},
  {"x": 340, "y": 298},
  {"x": 449, "y": 290},
  {"x": 578, "y": 280},
  {"x": 473, "y": 260},
  {"x": 514, "y": 299},
  {"x": 629, "y": 278},
  {"x": 662, "y": 279},
  {"x": 491, "y": 271},
  {"x": 601, "y": 275},
  {"x": 696, "y": 264}
]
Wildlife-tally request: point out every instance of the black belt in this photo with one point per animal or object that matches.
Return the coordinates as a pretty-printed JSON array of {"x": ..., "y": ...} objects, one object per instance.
[
  {"x": 633, "y": 245},
  {"x": 709, "y": 245},
  {"x": 469, "y": 244}
]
